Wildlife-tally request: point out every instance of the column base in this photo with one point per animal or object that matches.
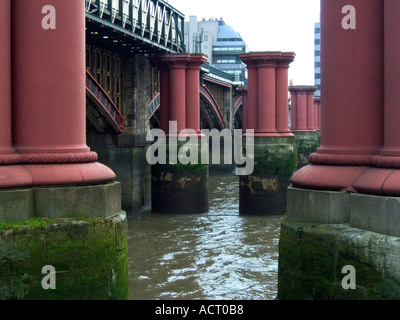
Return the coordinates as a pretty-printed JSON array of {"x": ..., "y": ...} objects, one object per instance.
[
  {"x": 264, "y": 191},
  {"x": 17, "y": 176},
  {"x": 357, "y": 179},
  {"x": 79, "y": 230}
]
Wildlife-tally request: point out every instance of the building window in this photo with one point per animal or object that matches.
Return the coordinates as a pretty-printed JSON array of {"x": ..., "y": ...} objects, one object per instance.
[{"x": 205, "y": 38}]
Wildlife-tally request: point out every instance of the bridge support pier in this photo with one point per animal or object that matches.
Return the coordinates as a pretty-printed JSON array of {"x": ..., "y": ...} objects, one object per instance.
[
  {"x": 343, "y": 207},
  {"x": 275, "y": 156},
  {"x": 67, "y": 213},
  {"x": 303, "y": 127},
  {"x": 178, "y": 186}
]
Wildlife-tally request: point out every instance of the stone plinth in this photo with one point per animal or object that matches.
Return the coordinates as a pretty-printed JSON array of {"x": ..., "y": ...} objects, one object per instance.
[
  {"x": 264, "y": 191},
  {"x": 59, "y": 207},
  {"x": 275, "y": 155},
  {"x": 89, "y": 257},
  {"x": 312, "y": 256},
  {"x": 179, "y": 188},
  {"x": 343, "y": 208}
]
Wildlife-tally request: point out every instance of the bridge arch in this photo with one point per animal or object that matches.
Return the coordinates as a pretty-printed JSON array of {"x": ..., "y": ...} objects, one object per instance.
[
  {"x": 238, "y": 113},
  {"x": 210, "y": 114},
  {"x": 102, "y": 114}
]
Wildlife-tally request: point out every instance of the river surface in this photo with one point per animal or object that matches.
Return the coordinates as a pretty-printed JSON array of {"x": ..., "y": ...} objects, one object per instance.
[{"x": 219, "y": 255}]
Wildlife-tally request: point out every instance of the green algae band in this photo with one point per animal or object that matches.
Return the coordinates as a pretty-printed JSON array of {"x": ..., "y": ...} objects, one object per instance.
[{"x": 90, "y": 257}]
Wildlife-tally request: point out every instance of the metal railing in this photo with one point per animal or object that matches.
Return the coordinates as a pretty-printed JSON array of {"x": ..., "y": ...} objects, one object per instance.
[{"x": 153, "y": 21}]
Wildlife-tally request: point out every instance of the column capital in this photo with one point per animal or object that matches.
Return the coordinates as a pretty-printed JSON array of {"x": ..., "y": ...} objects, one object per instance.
[
  {"x": 302, "y": 89},
  {"x": 180, "y": 60},
  {"x": 268, "y": 59}
]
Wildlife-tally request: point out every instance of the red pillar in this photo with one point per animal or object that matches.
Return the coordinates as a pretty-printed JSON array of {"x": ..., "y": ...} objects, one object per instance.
[
  {"x": 301, "y": 111},
  {"x": 11, "y": 174},
  {"x": 5, "y": 78},
  {"x": 192, "y": 92},
  {"x": 266, "y": 100},
  {"x": 392, "y": 79},
  {"x": 352, "y": 92},
  {"x": 317, "y": 113},
  {"x": 303, "y": 117},
  {"x": 282, "y": 89},
  {"x": 164, "y": 99},
  {"x": 177, "y": 95},
  {"x": 267, "y": 92},
  {"x": 252, "y": 97},
  {"x": 175, "y": 65},
  {"x": 352, "y": 82},
  {"x": 49, "y": 104},
  {"x": 293, "y": 98},
  {"x": 310, "y": 111}
]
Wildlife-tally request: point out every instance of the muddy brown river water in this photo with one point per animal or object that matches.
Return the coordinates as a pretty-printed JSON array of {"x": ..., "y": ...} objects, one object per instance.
[{"x": 219, "y": 255}]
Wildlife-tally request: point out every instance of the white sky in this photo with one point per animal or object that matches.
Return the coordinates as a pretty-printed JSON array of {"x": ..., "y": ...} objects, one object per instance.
[{"x": 267, "y": 25}]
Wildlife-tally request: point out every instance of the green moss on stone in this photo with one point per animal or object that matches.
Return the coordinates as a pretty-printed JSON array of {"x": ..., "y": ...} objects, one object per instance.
[
  {"x": 312, "y": 256},
  {"x": 90, "y": 257}
]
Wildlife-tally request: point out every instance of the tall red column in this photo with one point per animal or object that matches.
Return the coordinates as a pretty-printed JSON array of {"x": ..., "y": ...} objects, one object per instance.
[
  {"x": 303, "y": 103},
  {"x": 266, "y": 99},
  {"x": 177, "y": 94},
  {"x": 392, "y": 79},
  {"x": 353, "y": 99},
  {"x": 352, "y": 89},
  {"x": 252, "y": 98},
  {"x": 301, "y": 111},
  {"x": 267, "y": 92},
  {"x": 282, "y": 89},
  {"x": 49, "y": 105},
  {"x": 317, "y": 113},
  {"x": 164, "y": 98},
  {"x": 180, "y": 90},
  {"x": 310, "y": 111},
  {"x": 5, "y": 78},
  {"x": 293, "y": 99},
  {"x": 192, "y": 92}
]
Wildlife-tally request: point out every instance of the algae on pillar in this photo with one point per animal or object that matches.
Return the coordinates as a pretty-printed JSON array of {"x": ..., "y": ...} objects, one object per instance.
[
  {"x": 304, "y": 122},
  {"x": 180, "y": 186},
  {"x": 275, "y": 154},
  {"x": 63, "y": 209}
]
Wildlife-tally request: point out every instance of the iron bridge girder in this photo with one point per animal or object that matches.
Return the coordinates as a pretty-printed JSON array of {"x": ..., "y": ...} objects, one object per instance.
[{"x": 152, "y": 24}]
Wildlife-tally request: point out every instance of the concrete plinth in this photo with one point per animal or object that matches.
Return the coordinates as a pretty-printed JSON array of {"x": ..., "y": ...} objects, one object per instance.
[
  {"x": 317, "y": 206},
  {"x": 79, "y": 230},
  {"x": 179, "y": 189},
  {"x": 264, "y": 191},
  {"x": 311, "y": 258},
  {"x": 324, "y": 231},
  {"x": 90, "y": 258}
]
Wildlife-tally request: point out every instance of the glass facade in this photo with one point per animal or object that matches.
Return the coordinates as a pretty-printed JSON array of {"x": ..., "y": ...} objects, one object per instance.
[{"x": 317, "y": 50}]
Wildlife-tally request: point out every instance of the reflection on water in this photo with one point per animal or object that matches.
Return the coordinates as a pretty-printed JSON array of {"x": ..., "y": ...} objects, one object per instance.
[{"x": 216, "y": 255}]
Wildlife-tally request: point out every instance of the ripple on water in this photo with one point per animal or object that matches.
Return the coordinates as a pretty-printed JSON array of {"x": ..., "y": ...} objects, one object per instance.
[{"x": 218, "y": 255}]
